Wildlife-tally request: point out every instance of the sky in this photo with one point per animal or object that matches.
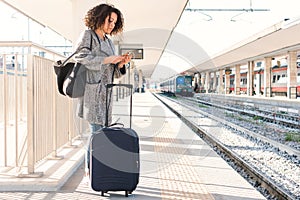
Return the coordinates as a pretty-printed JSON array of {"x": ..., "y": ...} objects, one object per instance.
[
  {"x": 216, "y": 31},
  {"x": 14, "y": 27}
]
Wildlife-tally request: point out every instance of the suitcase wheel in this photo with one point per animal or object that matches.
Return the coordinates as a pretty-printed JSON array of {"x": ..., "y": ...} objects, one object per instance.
[
  {"x": 102, "y": 192},
  {"x": 127, "y": 192}
]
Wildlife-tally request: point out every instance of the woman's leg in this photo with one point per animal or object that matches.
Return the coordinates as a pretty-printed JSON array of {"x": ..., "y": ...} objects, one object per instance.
[{"x": 93, "y": 129}]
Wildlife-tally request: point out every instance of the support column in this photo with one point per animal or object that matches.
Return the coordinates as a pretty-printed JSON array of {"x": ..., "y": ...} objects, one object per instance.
[
  {"x": 207, "y": 79},
  {"x": 227, "y": 83},
  {"x": 215, "y": 82},
  {"x": 250, "y": 74},
  {"x": 292, "y": 75},
  {"x": 125, "y": 79},
  {"x": 267, "y": 77},
  {"x": 258, "y": 84},
  {"x": 202, "y": 82},
  {"x": 131, "y": 73},
  {"x": 130, "y": 76},
  {"x": 237, "y": 80},
  {"x": 221, "y": 84},
  {"x": 140, "y": 81},
  {"x": 197, "y": 82}
]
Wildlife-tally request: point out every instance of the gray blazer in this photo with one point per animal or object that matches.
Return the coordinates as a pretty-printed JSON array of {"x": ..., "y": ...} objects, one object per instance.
[{"x": 92, "y": 105}]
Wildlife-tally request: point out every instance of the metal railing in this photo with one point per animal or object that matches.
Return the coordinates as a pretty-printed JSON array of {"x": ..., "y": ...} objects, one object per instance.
[{"x": 35, "y": 120}]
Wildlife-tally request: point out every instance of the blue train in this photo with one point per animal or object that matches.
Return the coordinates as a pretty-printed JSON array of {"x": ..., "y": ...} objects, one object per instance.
[{"x": 178, "y": 85}]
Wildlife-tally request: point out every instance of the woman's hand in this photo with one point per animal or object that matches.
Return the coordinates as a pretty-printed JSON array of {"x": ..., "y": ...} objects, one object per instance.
[
  {"x": 113, "y": 59},
  {"x": 121, "y": 60},
  {"x": 126, "y": 58}
]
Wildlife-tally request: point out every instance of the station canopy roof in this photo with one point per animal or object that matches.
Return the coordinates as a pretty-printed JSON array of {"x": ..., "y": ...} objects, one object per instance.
[
  {"x": 150, "y": 24},
  {"x": 275, "y": 41}
]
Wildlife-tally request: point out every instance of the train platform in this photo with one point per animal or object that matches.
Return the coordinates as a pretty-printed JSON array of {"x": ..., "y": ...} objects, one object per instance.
[{"x": 175, "y": 164}]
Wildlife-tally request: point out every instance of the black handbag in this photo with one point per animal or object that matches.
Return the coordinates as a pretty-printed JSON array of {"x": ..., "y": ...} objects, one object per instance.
[
  {"x": 74, "y": 83},
  {"x": 71, "y": 76}
]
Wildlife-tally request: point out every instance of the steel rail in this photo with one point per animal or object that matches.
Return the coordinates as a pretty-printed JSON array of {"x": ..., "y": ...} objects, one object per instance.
[{"x": 272, "y": 117}]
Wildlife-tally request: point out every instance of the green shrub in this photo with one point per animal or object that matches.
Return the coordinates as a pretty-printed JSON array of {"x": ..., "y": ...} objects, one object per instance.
[
  {"x": 292, "y": 136},
  {"x": 257, "y": 117}
]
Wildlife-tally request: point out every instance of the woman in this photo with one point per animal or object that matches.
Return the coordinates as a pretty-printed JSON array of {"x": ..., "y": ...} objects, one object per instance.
[{"x": 102, "y": 65}]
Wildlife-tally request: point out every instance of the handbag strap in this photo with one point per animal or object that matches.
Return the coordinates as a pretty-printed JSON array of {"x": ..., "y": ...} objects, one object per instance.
[
  {"x": 93, "y": 32},
  {"x": 112, "y": 49},
  {"x": 78, "y": 50}
]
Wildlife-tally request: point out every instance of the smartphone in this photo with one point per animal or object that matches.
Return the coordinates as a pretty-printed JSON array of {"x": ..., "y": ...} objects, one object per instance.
[{"x": 130, "y": 53}]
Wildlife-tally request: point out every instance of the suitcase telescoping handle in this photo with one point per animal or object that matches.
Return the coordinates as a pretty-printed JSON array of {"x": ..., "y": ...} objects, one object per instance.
[{"x": 111, "y": 85}]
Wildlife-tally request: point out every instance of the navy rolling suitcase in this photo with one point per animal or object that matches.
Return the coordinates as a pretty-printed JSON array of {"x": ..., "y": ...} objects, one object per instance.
[{"x": 114, "y": 156}]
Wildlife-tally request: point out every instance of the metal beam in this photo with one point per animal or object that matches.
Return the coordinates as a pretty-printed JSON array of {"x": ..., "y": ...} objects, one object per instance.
[{"x": 229, "y": 9}]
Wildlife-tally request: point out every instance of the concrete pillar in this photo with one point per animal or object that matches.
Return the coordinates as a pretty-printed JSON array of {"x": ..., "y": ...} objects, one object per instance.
[
  {"x": 221, "y": 84},
  {"x": 140, "y": 85},
  {"x": 131, "y": 73},
  {"x": 250, "y": 76},
  {"x": 207, "y": 80},
  {"x": 267, "y": 77},
  {"x": 227, "y": 83},
  {"x": 258, "y": 83},
  {"x": 129, "y": 77},
  {"x": 237, "y": 80},
  {"x": 199, "y": 81},
  {"x": 202, "y": 81},
  {"x": 292, "y": 75},
  {"x": 215, "y": 82},
  {"x": 196, "y": 82}
]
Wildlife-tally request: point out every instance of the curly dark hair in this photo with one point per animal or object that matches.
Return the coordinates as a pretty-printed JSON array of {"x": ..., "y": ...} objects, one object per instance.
[{"x": 96, "y": 16}]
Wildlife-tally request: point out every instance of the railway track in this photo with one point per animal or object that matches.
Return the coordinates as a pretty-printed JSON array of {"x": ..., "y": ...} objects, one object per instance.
[
  {"x": 240, "y": 155},
  {"x": 281, "y": 118},
  {"x": 288, "y": 123}
]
